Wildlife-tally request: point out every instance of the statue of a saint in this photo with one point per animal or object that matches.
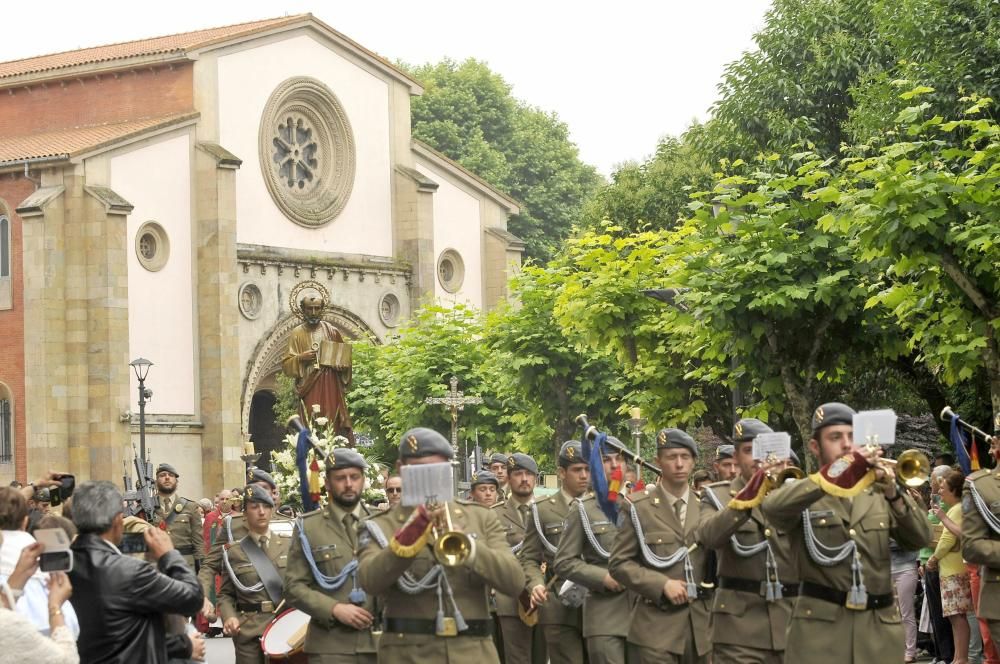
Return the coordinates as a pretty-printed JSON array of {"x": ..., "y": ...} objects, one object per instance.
[{"x": 320, "y": 362}]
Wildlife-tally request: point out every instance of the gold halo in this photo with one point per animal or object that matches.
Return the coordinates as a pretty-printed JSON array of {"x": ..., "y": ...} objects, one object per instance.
[{"x": 293, "y": 297}]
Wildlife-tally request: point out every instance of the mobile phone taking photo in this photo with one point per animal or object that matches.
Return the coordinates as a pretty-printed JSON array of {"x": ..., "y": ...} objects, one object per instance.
[
  {"x": 57, "y": 556},
  {"x": 133, "y": 543}
]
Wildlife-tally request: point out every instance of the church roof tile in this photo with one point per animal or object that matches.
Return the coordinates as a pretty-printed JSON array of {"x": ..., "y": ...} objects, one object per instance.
[{"x": 68, "y": 143}]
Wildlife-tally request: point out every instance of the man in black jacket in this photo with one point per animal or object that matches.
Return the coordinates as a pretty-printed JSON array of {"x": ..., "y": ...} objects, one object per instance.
[{"x": 121, "y": 601}]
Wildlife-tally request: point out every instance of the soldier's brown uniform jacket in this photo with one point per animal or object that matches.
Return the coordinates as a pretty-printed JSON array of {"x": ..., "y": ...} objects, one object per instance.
[
  {"x": 493, "y": 565},
  {"x": 739, "y": 616},
  {"x": 231, "y": 528},
  {"x": 513, "y": 530},
  {"x": 605, "y": 613},
  {"x": 184, "y": 528},
  {"x": 552, "y": 512},
  {"x": 255, "y": 610},
  {"x": 981, "y": 544},
  {"x": 332, "y": 546},
  {"x": 656, "y": 623},
  {"x": 820, "y": 631}
]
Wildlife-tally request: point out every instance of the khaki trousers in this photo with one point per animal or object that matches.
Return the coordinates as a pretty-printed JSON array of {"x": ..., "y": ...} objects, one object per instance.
[
  {"x": 609, "y": 650},
  {"x": 727, "y": 653},
  {"x": 361, "y": 658},
  {"x": 564, "y": 644}
]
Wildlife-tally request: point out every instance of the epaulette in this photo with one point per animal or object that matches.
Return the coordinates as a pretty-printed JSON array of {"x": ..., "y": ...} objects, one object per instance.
[
  {"x": 471, "y": 503},
  {"x": 720, "y": 483},
  {"x": 639, "y": 496},
  {"x": 316, "y": 511},
  {"x": 984, "y": 472},
  {"x": 498, "y": 505},
  {"x": 585, "y": 497}
]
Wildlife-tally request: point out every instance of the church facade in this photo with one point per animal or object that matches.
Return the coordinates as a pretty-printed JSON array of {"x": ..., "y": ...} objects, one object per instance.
[{"x": 162, "y": 199}]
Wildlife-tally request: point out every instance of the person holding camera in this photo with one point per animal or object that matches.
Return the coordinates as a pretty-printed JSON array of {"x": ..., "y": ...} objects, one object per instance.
[
  {"x": 121, "y": 600},
  {"x": 17, "y": 634}
]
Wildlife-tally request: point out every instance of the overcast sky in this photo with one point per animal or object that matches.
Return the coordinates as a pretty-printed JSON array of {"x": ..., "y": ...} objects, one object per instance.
[{"x": 621, "y": 74}]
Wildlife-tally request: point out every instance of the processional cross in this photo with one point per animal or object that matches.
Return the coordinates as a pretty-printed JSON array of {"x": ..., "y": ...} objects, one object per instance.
[{"x": 454, "y": 400}]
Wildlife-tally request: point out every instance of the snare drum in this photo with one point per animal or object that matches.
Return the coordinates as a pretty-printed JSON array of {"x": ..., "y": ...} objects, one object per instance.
[{"x": 285, "y": 636}]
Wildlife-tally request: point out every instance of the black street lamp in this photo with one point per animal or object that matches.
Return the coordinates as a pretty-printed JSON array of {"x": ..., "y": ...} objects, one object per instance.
[{"x": 141, "y": 367}]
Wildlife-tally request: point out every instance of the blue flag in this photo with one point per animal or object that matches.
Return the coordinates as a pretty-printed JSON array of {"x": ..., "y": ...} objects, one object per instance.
[
  {"x": 598, "y": 479},
  {"x": 959, "y": 442},
  {"x": 302, "y": 448}
]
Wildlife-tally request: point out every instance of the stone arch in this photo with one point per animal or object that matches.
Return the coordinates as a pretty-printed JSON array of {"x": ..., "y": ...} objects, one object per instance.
[{"x": 267, "y": 356}]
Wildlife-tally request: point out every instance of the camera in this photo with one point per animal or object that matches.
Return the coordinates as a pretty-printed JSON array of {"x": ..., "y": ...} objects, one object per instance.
[
  {"x": 56, "y": 494},
  {"x": 133, "y": 543}
]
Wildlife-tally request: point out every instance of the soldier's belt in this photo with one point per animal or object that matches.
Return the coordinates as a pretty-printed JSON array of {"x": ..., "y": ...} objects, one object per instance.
[
  {"x": 255, "y": 607},
  {"x": 755, "y": 587},
  {"x": 418, "y": 626},
  {"x": 187, "y": 550},
  {"x": 664, "y": 604},
  {"x": 816, "y": 591}
]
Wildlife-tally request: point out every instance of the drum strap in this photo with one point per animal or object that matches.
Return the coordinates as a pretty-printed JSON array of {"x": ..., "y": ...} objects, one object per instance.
[{"x": 266, "y": 570}]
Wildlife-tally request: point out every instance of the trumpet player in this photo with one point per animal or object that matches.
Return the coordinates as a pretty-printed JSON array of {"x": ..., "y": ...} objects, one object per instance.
[
  {"x": 981, "y": 535},
  {"x": 436, "y": 612},
  {"x": 758, "y": 578},
  {"x": 839, "y": 521}
]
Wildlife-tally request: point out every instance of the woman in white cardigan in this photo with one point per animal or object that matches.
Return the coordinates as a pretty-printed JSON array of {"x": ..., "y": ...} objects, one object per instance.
[{"x": 19, "y": 638}]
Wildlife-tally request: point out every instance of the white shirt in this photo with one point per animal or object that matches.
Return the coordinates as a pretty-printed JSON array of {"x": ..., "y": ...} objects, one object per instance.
[{"x": 34, "y": 603}]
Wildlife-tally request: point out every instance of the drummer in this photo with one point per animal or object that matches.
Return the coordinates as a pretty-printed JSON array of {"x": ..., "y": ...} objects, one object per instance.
[{"x": 252, "y": 579}]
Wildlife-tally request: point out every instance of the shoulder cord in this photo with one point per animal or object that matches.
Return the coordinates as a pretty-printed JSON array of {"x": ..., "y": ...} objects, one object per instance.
[
  {"x": 358, "y": 596},
  {"x": 772, "y": 588},
  {"x": 991, "y": 520},
  {"x": 828, "y": 556},
  {"x": 662, "y": 563},
  {"x": 588, "y": 529},
  {"x": 435, "y": 578},
  {"x": 232, "y": 575},
  {"x": 538, "y": 527},
  {"x": 516, "y": 549},
  {"x": 229, "y": 528}
]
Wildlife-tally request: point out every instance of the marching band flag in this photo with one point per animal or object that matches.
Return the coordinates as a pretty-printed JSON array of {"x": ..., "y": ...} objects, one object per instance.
[{"x": 846, "y": 477}]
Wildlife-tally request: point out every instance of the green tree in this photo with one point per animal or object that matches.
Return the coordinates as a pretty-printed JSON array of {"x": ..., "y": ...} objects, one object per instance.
[{"x": 468, "y": 113}]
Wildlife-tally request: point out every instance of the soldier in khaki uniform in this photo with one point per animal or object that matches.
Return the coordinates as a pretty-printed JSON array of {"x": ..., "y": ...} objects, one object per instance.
[
  {"x": 435, "y": 613},
  {"x": 515, "y": 515},
  {"x": 839, "y": 522},
  {"x": 560, "y": 624},
  {"x": 757, "y": 579},
  {"x": 178, "y": 516},
  {"x": 498, "y": 466},
  {"x": 582, "y": 558},
  {"x": 981, "y": 536},
  {"x": 655, "y": 556},
  {"x": 485, "y": 489},
  {"x": 252, "y": 582},
  {"x": 322, "y": 578}
]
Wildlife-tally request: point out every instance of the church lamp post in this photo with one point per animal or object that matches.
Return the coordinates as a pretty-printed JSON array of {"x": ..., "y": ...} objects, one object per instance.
[{"x": 141, "y": 367}]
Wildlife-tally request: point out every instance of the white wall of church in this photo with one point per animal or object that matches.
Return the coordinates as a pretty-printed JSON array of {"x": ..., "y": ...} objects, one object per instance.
[
  {"x": 457, "y": 226},
  {"x": 246, "y": 80},
  {"x": 156, "y": 179}
]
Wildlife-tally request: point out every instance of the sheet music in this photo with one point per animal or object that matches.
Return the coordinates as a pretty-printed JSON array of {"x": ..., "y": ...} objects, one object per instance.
[
  {"x": 778, "y": 444},
  {"x": 427, "y": 483},
  {"x": 876, "y": 427}
]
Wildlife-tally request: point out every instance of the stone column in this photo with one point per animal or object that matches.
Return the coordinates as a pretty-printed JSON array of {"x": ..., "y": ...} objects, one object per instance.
[
  {"x": 219, "y": 367},
  {"x": 413, "y": 233}
]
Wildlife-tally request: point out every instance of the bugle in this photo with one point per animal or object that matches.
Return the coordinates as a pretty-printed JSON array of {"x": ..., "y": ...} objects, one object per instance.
[
  {"x": 789, "y": 473},
  {"x": 947, "y": 414},
  {"x": 452, "y": 548},
  {"x": 590, "y": 432},
  {"x": 912, "y": 468}
]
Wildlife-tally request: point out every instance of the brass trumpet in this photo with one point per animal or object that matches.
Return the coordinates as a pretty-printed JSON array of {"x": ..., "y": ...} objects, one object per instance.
[
  {"x": 452, "y": 548},
  {"x": 912, "y": 468},
  {"x": 790, "y": 473}
]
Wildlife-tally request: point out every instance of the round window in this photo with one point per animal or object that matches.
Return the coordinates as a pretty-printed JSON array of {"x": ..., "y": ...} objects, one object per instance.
[
  {"x": 389, "y": 309},
  {"x": 451, "y": 270},
  {"x": 152, "y": 246}
]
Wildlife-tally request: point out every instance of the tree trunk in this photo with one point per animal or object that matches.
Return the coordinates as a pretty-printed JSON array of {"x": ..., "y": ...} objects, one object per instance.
[
  {"x": 797, "y": 391},
  {"x": 564, "y": 426},
  {"x": 927, "y": 386}
]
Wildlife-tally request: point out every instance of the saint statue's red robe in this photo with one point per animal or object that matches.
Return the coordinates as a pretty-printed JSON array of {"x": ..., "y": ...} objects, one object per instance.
[{"x": 326, "y": 386}]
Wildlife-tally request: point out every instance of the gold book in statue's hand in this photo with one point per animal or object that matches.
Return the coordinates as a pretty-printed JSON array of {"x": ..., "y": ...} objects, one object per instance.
[{"x": 334, "y": 354}]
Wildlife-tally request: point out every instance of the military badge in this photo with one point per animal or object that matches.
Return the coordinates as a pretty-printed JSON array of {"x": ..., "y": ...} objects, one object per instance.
[
  {"x": 838, "y": 467},
  {"x": 819, "y": 414},
  {"x": 739, "y": 429},
  {"x": 511, "y": 462},
  {"x": 661, "y": 438},
  {"x": 249, "y": 475},
  {"x": 178, "y": 508},
  {"x": 571, "y": 452},
  {"x": 414, "y": 444},
  {"x": 249, "y": 493}
]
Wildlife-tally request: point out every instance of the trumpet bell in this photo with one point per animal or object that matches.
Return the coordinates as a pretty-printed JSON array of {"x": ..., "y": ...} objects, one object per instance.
[
  {"x": 913, "y": 468},
  {"x": 790, "y": 473},
  {"x": 453, "y": 549}
]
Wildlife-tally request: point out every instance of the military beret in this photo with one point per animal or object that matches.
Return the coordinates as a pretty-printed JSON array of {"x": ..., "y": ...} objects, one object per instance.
[
  {"x": 521, "y": 460},
  {"x": 749, "y": 428},
  {"x": 422, "y": 442},
  {"x": 830, "y": 414},
  {"x": 613, "y": 448},
  {"x": 485, "y": 477},
  {"x": 167, "y": 467},
  {"x": 498, "y": 457},
  {"x": 724, "y": 452},
  {"x": 345, "y": 457},
  {"x": 571, "y": 453},
  {"x": 675, "y": 439},
  {"x": 257, "y": 475},
  {"x": 255, "y": 493}
]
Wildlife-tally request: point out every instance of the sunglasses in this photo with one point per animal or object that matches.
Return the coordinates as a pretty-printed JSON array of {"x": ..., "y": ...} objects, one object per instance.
[{"x": 393, "y": 490}]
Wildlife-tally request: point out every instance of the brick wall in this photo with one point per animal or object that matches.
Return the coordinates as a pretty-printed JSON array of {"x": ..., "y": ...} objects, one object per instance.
[
  {"x": 94, "y": 100},
  {"x": 14, "y": 189}
]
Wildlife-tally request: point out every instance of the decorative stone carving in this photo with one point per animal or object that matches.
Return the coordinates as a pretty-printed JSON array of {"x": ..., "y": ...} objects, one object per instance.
[
  {"x": 251, "y": 300},
  {"x": 307, "y": 151},
  {"x": 389, "y": 309}
]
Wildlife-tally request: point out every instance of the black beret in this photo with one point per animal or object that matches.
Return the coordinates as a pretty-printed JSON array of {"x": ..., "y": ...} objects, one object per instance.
[
  {"x": 498, "y": 457},
  {"x": 830, "y": 414},
  {"x": 675, "y": 438},
  {"x": 257, "y": 475},
  {"x": 521, "y": 460},
  {"x": 749, "y": 428},
  {"x": 167, "y": 467},
  {"x": 725, "y": 452},
  {"x": 571, "y": 453},
  {"x": 345, "y": 457},
  {"x": 422, "y": 442},
  {"x": 255, "y": 493},
  {"x": 485, "y": 477}
]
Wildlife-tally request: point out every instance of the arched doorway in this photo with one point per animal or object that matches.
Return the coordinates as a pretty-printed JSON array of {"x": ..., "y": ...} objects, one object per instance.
[{"x": 265, "y": 433}]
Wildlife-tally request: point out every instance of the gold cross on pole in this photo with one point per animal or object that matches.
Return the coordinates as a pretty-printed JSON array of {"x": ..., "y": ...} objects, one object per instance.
[{"x": 455, "y": 401}]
